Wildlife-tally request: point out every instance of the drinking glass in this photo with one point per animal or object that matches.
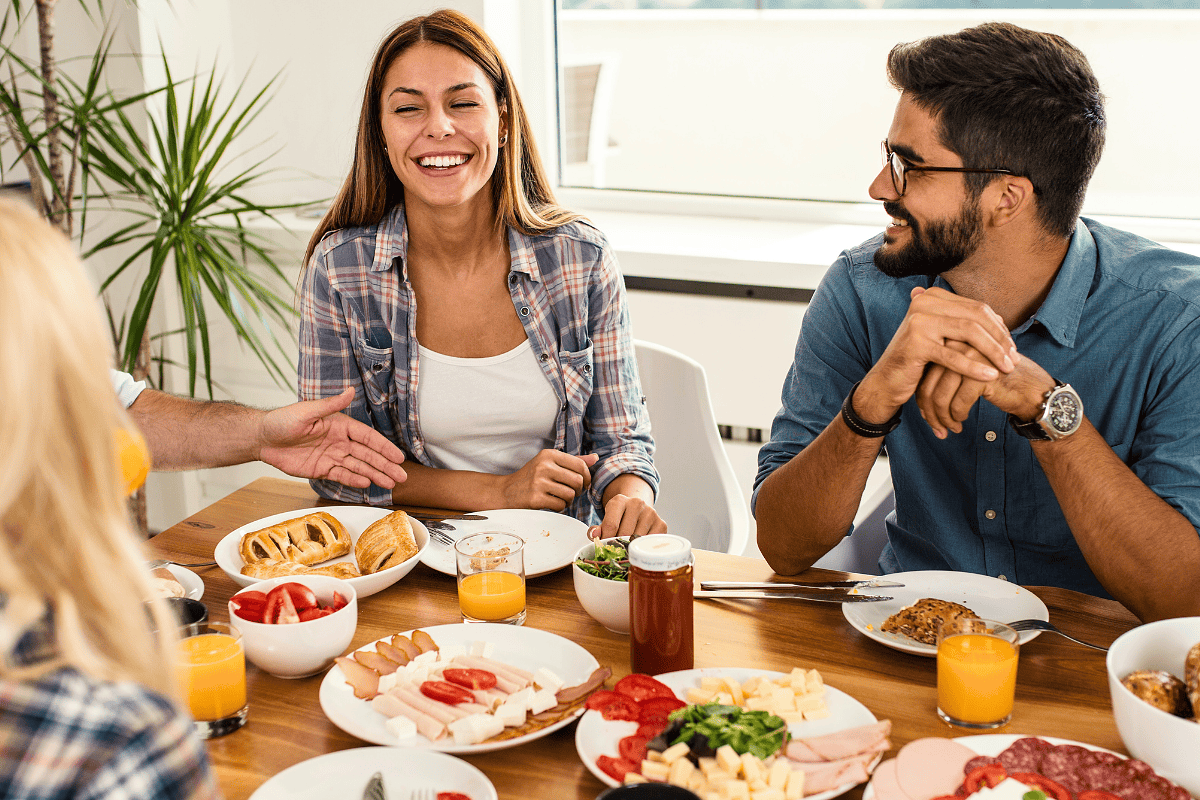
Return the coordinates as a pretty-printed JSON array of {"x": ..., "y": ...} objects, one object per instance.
[
  {"x": 491, "y": 577},
  {"x": 212, "y": 672},
  {"x": 976, "y": 672}
]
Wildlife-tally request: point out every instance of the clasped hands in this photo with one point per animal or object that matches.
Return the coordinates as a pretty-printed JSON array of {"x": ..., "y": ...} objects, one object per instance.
[
  {"x": 950, "y": 351},
  {"x": 553, "y": 479}
]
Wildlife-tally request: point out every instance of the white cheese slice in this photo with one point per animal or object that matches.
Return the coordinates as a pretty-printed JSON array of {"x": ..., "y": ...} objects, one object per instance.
[
  {"x": 425, "y": 658},
  {"x": 386, "y": 682},
  {"x": 482, "y": 649},
  {"x": 542, "y": 700},
  {"x": 452, "y": 651},
  {"x": 401, "y": 727},
  {"x": 511, "y": 714},
  {"x": 475, "y": 728},
  {"x": 1007, "y": 789},
  {"x": 521, "y": 697},
  {"x": 546, "y": 679}
]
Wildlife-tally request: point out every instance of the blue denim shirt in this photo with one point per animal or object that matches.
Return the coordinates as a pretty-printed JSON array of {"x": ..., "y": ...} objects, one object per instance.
[{"x": 1121, "y": 324}]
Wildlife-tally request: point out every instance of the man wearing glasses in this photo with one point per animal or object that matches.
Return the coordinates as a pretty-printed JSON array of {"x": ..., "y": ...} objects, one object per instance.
[{"x": 1034, "y": 376}]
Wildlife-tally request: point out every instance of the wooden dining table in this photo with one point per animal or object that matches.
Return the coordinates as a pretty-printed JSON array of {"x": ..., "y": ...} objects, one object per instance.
[{"x": 1062, "y": 688}]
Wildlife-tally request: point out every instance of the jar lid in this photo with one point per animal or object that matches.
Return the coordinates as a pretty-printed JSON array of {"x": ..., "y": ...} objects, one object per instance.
[{"x": 660, "y": 552}]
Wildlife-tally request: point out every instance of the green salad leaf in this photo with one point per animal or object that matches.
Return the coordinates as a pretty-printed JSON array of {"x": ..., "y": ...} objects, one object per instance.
[
  {"x": 759, "y": 733},
  {"x": 611, "y": 561}
]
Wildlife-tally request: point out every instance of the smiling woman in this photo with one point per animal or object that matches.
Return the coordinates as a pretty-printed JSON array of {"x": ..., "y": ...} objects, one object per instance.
[{"x": 528, "y": 394}]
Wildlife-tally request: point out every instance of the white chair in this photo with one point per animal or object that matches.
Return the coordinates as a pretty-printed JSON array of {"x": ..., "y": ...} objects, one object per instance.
[{"x": 699, "y": 496}]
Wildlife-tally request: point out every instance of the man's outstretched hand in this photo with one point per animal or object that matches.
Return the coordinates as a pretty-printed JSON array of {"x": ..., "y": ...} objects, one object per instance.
[{"x": 312, "y": 439}]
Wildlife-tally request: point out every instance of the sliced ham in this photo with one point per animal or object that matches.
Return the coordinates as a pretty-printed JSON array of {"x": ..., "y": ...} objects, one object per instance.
[
  {"x": 515, "y": 674},
  {"x": 863, "y": 740},
  {"x": 829, "y": 775},
  {"x": 392, "y": 652},
  {"x": 424, "y": 641},
  {"x": 570, "y": 694},
  {"x": 404, "y": 643},
  {"x": 885, "y": 782},
  {"x": 364, "y": 679},
  {"x": 376, "y": 661},
  {"x": 442, "y": 712},
  {"x": 489, "y": 697},
  {"x": 427, "y": 726},
  {"x": 931, "y": 767}
]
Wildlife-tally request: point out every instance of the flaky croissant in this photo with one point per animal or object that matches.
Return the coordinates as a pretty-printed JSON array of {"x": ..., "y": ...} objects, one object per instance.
[
  {"x": 305, "y": 540},
  {"x": 385, "y": 543}
]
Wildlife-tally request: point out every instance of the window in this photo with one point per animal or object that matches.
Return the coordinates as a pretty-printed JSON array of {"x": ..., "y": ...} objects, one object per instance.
[{"x": 788, "y": 98}]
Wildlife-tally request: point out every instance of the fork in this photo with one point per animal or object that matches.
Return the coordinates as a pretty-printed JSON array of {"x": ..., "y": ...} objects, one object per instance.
[
  {"x": 1042, "y": 625},
  {"x": 160, "y": 562},
  {"x": 437, "y": 532}
]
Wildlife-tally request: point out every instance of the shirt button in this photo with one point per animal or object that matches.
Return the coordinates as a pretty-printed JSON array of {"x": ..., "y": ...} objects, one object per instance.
[
  {"x": 544, "y": 357},
  {"x": 587, "y": 369},
  {"x": 524, "y": 311},
  {"x": 990, "y": 514},
  {"x": 377, "y": 367},
  {"x": 990, "y": 436},
  {"x": 512, "y": 277}
]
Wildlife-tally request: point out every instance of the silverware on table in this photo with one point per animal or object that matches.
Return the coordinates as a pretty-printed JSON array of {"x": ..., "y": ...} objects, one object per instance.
[
  {"x": 162, "y": 562},
  {"x": 426, "y": 517},
  {"x": 374, "y": 790},
  {"x": 439, "y": 534},
  {"x": 796, "y": 594},
  {"x": 1042, "y": 625},
  {"x": 872, "y": 583}
]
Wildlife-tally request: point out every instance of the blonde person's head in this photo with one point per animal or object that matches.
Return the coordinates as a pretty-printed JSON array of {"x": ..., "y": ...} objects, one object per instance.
[{"x": 67, "y": 542}]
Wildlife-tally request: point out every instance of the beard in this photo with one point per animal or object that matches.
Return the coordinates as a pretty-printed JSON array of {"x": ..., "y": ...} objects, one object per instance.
[{"x": 934, "y": 247}]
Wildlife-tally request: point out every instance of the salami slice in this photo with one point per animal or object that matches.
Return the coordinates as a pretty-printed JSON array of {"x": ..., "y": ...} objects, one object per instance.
[
  {"x": 1025, "y": 755},
  {"x": 979, "y": 761}
]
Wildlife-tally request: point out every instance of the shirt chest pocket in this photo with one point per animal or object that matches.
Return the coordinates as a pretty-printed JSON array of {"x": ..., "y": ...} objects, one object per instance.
[
  {"x": 578, "y": 376},
  {"x": 377, "y": 364}
]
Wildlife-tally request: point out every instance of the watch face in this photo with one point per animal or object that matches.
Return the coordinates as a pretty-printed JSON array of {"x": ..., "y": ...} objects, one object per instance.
[{"x": 1063, "y": 411}]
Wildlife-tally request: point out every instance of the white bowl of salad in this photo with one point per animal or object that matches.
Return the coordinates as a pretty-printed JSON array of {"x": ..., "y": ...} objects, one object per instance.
[{"x": 601, "y": 572}]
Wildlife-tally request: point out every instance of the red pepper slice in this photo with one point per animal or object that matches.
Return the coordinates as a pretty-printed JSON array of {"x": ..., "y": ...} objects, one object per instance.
[
  {"x": 445, "y": 692},
  {"x": 1053, "y": 789},
  {"x": 643, "y": 687},
  {"x": 990, "y": 775},
  {"x": 470, "y": 678},
  {"x": 614, "y": 706},
  {"x": 616, "y": 768}
]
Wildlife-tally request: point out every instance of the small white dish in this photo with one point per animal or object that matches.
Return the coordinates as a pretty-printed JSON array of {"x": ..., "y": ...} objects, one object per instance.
[
  {"x": 343, "y": 776},
  {"x": 356, "y": 519},
  {"x": 990, "y": 598},
  {"x": 551, "y": 540},
  {"x": 605, "y": 601},
  {"x": 193, "y": 586}
]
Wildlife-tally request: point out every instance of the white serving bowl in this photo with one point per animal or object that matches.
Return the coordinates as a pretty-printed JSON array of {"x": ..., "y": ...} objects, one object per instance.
[
  {"x": 1168, "y": 743},
  {"x": 606, "y": 601},
  {"x": 300, "y": 649},
  {"x": 356, "y": 519}
]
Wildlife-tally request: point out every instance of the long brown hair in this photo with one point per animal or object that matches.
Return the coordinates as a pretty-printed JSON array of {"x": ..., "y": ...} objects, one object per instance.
[{"x": 521, "y": 195}]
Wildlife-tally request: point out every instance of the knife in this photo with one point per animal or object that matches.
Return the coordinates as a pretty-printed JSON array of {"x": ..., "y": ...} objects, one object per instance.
[
  {"x": 873, "y": 583},
  {"x": 828, "y": 597},
  {"x": 439, "y": 517},
  {"x": 374, "y": 790}
]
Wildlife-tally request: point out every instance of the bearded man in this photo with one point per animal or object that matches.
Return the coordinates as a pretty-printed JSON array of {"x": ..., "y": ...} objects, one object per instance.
[{"x": 1034, "y": 376}]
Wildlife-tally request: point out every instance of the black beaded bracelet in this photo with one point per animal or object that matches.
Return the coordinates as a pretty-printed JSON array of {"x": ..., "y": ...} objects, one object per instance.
[{"x": 860, "y": 426}]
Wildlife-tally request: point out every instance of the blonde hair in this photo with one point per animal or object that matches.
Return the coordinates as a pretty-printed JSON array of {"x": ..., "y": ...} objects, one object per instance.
[
  {"x": 69, "y": 546},
  {"x": 522, "y": 195}
]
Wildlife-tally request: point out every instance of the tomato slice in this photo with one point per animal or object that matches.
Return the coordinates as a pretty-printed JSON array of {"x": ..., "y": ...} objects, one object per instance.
[
  {"x": 1053, "y": 789},
  {"x": 452, "y": 796},
  {"x": 280, "y": 609},
  {"x": 648, "y": 730},
  {"x": 616, "y": 768},
  {"x": 302, "y": 596},
  {"x": 314, "y": 613},
  {"x": 470, "y": 678},
  {"x": 633, "y": 748},
  {"x": 445, "y": 692},
  {"x": 339, "y": 603},
  {"x": 614, "y": 706},
  {"x": 990, "y": 775},
  {"x": 657, "y": 710},
  {"x": 249, "y": 605},
  {"x": 643, "y": 687}
]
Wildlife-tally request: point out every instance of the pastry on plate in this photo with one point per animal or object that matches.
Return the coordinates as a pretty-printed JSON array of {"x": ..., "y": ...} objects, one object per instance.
[
  {"x": 272, "y": 568},
  {"x": 386, "y": 543},
  {"x": 309, "y": 539},
  {"x": 924, "y": 618}
]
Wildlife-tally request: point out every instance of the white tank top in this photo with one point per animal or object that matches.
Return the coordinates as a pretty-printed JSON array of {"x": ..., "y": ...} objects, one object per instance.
[{"x": 485, "y": 414}]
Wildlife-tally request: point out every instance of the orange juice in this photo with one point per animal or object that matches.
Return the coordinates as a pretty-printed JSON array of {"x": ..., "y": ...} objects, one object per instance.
[
  {"x": 134, "y": 458},
  {"x": 491, "y": 595},
  {"x": 212, "y": 673},
  {"x": 976, "y": 679}
]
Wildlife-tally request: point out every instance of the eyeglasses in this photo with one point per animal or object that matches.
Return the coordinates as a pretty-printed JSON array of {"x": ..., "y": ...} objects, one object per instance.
[{"x": 900, "y": 170}]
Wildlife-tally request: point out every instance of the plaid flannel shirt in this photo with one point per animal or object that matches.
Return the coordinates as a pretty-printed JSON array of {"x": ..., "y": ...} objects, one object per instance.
[
  {"x": 67, "y": 735},
  {"x": 358, "y": 328}
]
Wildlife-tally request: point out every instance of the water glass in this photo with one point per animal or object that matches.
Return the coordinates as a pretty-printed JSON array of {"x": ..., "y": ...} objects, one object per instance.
[
  {"x": 491, "y": 577},
  {"x": 976, "y": 672}
]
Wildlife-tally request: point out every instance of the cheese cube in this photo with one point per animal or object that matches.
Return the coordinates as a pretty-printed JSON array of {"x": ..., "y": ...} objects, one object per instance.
[
  {"x": 401, "y": 727},
  {"x": 681, "y": 770},
  {"x": 798, "y": 680},
  {"x": 426, "y": 658},
  {"x": 791, "y": 717},
  {"x": 758, "y": 785},
  {"x": 676, "y": 752},
  {"x": 655, "y": 770},
  {"x": 735, "y": 790},
  {"x": 707, "y": 764},
  {"x": 750, "y": 687},
  {"x": 522, "y": 697},
  {"x": 758, "y": 703},
  {"x": 699, "y": 696},
  {"x": 813, "y": 680},
  {"x": 752, "y": 768},
  {"x": 735, "y": 690},
  {"x": 810, "y": 702},
  {"x": 415, "y": 673},
  {"x": 387, "y": 682},
  {"x": 475, "y": 728},
  {"x": 783, "y": 699},
  {"x": 633, "y": 777},
  {"x": 546, "y": 679},
  {"x": 511, "y": 714},
  {"x": 767, "y": 794},
  {"x": 724, "y": 698},
  {"x": 711, "y": 684},
  {"x": 819, "y": 713},
  {"x": 728, "y": 760},
  {"x": 540, "y": 701},
  {"x": 696, "y": 782},
  {"x": 795, "y": 785},
  {"x": 482, "y": 649},
  {"x": 778, "y": 774},
  {"x": 450, "y": 652},
  {"x": 654, "y": 755}
]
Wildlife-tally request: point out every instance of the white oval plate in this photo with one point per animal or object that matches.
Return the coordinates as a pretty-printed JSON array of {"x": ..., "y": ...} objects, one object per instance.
[
  {"x": 597, "y": 736},
  {"x": 551, "y": 540},
  {"x": 193, "y": 586},
  {"x": 355, "y": 518},
  {"x": 990, "y": 598},
  {"x": 343, "y": 776},
  {"x": 527, "y": 648}
]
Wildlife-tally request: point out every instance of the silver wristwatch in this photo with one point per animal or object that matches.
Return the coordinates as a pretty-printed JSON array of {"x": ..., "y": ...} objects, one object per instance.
[{"x": 1061, "y": 415}]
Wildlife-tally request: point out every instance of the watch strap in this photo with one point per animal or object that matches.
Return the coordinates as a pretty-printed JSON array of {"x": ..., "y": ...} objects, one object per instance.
[{"x": 860, "y": 426}]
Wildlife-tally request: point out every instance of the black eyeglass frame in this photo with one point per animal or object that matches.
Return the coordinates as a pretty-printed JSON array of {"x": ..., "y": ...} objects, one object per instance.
[{"x": 900, "y": 175}]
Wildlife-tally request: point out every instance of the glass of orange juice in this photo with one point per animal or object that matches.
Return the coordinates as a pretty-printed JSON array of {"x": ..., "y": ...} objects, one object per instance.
[
  {"x": 212, "y": 672},
  {"x": 976, "y": 672},
  {"x": 491, "y": 577}
]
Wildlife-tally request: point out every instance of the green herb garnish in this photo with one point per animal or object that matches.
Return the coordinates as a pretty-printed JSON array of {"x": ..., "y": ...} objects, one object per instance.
[
  {"x": 759, "y": 733},
  {"x": 1034, "y": 794},
  {"x": 611, "y": 561}
]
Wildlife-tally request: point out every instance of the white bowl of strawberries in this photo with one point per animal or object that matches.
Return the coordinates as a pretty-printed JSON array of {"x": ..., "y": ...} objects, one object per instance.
[{"x": 296, "y": 626}]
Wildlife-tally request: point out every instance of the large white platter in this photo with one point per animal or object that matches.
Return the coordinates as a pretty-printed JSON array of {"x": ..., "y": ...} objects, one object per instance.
[
  {"x": 527, "y": 648},
  {"x": 551, "y": 540},
  {"x": 356, "y": 519},
  {"x": 990, "y": 598},
  {"x": 343, "y": 776},
  {"x": 597, "y": 736}
]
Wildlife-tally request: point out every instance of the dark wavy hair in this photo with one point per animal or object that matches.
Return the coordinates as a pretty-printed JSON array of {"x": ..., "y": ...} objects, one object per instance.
[
  {"x": 1007, "y": 97},
  {"x": 521, "y": 193}
]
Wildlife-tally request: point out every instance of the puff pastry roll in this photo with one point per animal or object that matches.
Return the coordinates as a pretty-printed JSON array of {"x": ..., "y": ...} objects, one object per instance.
[
  {"x": 279, "y": 569},
  {"x": 385, "y": 543},
  {"x": 306, "y": 540}
]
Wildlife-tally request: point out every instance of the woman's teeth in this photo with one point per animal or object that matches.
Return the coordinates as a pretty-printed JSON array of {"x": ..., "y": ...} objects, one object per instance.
[{"x": 442, "y": 161}]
